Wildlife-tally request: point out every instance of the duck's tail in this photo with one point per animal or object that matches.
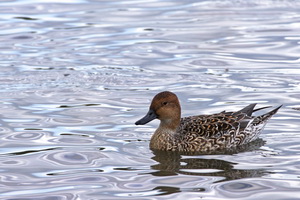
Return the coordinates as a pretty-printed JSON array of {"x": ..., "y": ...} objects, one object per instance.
[
  {"x": 257, "y": 124},
  {"x": 249, "y": 110},
  {"x": 265, "y": 117},
  {"x": 271, "y": 113},
  {"x": 257, "y": 109}
]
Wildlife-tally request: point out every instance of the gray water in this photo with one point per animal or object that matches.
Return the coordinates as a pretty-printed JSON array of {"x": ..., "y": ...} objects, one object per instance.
[{"x": 76, "y": 74}]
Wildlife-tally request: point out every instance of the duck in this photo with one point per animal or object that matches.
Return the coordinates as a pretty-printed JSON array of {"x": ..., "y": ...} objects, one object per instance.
[{"x": 201, "y": 133}]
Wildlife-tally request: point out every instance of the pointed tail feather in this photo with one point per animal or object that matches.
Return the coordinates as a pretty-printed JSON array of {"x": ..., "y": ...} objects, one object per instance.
[
  {"x": 273, "y": 112},
  {"x": 258, "y": 123},
  {"x": 268, "y": 115},
  {"x": 261, "y": 108}
]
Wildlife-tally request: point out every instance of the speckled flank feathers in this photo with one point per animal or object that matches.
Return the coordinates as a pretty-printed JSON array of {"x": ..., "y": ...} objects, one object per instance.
[{"x": 202, "y": 133}]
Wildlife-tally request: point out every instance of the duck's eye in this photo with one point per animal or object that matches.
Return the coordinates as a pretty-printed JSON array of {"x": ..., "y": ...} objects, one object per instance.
[{"x": 165, "y": 103}]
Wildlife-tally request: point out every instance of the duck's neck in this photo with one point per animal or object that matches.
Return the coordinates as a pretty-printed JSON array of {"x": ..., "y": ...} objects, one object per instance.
[
  {"x": 164, "y": 136},
  {"x": 169, "y": 124}
]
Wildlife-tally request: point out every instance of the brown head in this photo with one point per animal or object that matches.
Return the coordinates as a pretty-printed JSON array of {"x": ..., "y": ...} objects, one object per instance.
[{"x": 165, "y": 107}]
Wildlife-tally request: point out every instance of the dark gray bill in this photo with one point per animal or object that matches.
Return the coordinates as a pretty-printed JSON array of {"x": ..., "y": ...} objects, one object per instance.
[{"x": 148, "y": 117}]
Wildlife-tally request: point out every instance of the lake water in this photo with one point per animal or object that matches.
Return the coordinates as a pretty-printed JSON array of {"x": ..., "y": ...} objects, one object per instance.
[{"x": 76, "y": 74}]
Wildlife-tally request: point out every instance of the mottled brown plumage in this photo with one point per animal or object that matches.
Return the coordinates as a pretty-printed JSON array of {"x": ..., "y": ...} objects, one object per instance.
[{"x": 202, "y": 133}]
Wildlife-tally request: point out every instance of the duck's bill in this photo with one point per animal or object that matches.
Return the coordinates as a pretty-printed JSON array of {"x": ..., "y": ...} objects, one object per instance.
[{"x": 148, "y": 118}]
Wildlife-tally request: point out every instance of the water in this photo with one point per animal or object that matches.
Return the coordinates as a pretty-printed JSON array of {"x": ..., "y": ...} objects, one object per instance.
[{"x": 76, "y": 75}]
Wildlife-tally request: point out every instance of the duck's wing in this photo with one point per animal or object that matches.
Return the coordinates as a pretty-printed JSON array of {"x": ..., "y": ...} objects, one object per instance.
[
  {"x": 214, "y": 126},
  {"x": 248, "y": 110}
]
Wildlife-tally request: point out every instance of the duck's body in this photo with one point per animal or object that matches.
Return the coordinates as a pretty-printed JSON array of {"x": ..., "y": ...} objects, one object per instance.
[{"x": 202, "y": 133}]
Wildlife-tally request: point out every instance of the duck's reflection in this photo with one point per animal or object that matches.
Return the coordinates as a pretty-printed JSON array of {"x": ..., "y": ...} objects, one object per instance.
[{"x": 173, "y": 163}]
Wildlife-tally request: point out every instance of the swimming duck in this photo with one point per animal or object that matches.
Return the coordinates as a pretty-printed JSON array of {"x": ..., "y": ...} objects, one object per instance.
[{"x": 201, "y": 133}]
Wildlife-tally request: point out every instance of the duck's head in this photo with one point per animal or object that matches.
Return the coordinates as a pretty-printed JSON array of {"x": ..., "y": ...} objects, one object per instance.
[{"x": 165, "y": 107}]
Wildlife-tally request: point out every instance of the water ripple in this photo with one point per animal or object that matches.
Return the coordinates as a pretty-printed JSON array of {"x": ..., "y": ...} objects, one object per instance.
[
  {"x": 65, "y": 158},
  {"x": 76, "y": 75}
]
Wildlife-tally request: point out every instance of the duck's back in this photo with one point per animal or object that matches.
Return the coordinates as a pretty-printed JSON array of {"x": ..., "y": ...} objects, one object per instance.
[{"x": 212, "y": 132}]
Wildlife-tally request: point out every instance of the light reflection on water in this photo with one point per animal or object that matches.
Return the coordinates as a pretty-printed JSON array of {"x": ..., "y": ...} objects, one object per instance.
[{"x": 76, "y": 75}]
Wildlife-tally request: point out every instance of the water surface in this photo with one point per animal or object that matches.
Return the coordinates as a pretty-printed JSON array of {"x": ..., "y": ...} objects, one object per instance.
[{"x": 76, "y": 75}]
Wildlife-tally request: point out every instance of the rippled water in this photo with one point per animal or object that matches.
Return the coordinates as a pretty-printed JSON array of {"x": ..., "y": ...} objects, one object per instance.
[{"x": 76, "y": 75}]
